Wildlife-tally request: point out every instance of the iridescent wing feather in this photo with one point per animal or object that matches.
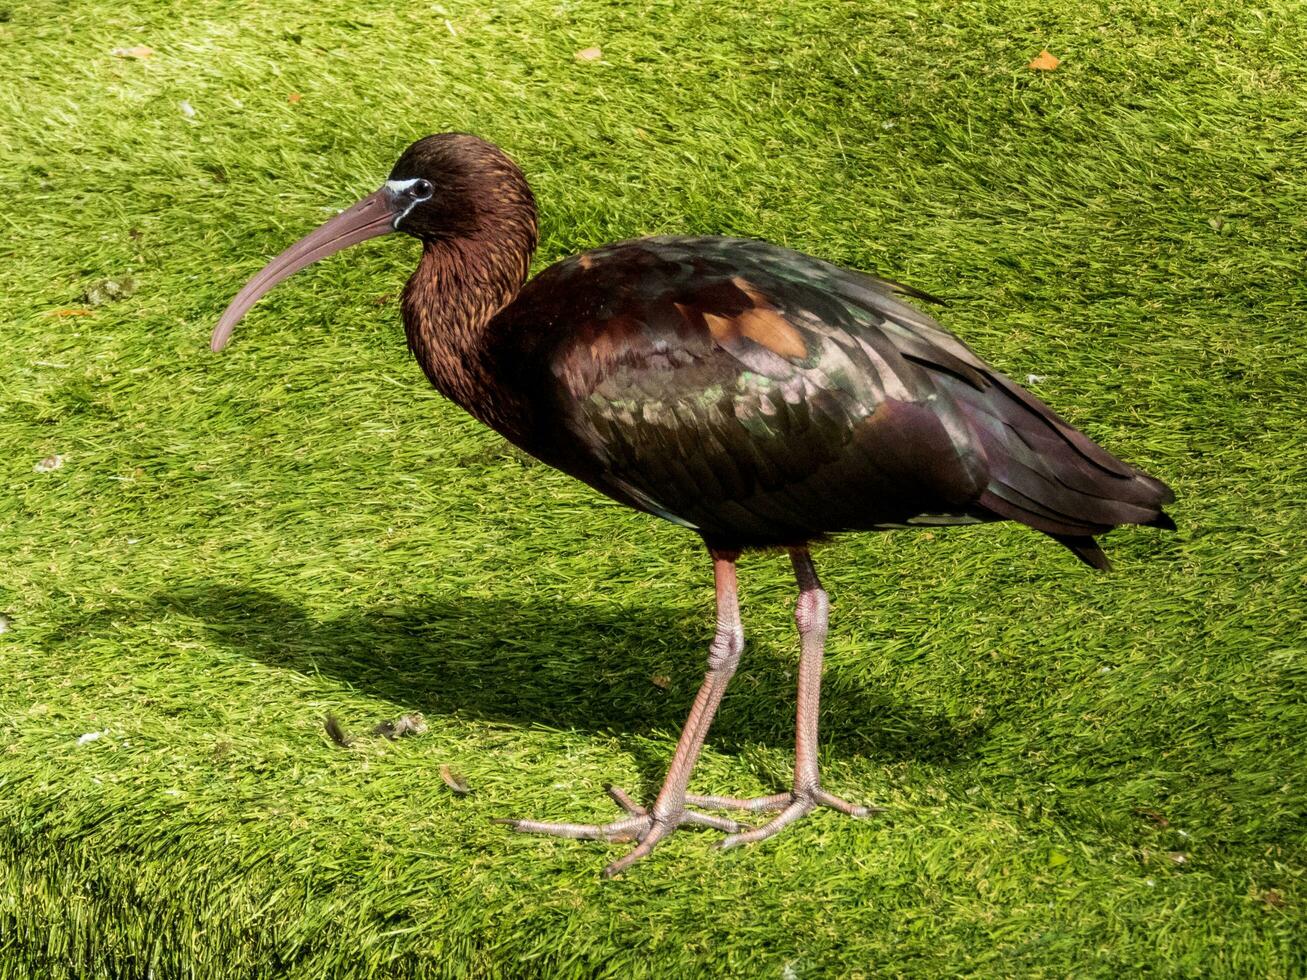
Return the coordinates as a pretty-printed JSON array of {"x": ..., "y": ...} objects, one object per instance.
[{"x": 764, "y": 397}]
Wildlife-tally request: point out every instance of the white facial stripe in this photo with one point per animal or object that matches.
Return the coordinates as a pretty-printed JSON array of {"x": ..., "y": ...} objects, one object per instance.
[{"x": 399, "y": 187}]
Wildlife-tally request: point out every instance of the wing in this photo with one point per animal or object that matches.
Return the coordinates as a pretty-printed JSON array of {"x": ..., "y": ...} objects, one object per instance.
[
  {"x": 724, "y": 386},
  {"x": 763, "y": 396}
]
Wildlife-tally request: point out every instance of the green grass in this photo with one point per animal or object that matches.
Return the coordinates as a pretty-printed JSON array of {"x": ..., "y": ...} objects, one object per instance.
[{"x": 1091, "y": 775}]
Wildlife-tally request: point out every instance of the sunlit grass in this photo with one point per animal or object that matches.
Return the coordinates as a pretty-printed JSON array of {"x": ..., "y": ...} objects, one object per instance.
[{"x": 1085, "y": 774}]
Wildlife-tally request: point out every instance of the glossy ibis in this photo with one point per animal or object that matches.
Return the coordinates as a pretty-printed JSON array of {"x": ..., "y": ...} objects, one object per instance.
[{"x": 755, "y": 395}]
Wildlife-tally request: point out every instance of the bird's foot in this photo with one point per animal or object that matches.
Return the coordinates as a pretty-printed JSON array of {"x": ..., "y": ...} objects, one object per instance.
[
  {"x": 639, "y": 825},
  {"x": 792, "y": 806}
]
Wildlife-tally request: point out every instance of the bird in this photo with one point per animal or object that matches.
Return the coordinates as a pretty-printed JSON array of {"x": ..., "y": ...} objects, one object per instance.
[{"x": 756, "y": 396}]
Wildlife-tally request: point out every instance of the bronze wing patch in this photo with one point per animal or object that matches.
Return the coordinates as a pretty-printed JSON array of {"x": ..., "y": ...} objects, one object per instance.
[{"x": 749, "y": 316}]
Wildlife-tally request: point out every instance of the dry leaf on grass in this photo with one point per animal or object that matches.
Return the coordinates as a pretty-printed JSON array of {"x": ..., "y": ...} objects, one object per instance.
[
  {"x": 293, "y": 97},
  {"x": 660, "y": 681},
  {"x": 454, "y": 781},
  {"x": 69, "y": 312},
  {"x": 1044, "y": 61},
  {"x": 588, "y": 54},
  {"x": 49, "y": 464},
  {"x": 1153, "y": 817},
  {"x": 140, "y": 52}
]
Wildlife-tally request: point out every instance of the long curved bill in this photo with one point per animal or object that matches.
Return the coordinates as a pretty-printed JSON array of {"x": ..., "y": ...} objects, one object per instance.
[{"x": 374, "y": 215}]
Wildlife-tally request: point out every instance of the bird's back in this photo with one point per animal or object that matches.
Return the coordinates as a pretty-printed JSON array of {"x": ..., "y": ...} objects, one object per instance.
[{"x": 766, "y": 397}]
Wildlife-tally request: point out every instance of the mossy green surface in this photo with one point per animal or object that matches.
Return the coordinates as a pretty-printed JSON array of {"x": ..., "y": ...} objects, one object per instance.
[{"x": 1085, "y": 774}]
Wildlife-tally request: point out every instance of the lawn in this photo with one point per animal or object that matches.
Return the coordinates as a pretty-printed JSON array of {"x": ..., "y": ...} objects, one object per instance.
[{"x": 1084, "y": 774}]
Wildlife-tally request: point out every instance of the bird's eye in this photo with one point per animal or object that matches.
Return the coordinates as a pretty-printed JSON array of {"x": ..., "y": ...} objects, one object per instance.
[{"x": 422, "y": 189}]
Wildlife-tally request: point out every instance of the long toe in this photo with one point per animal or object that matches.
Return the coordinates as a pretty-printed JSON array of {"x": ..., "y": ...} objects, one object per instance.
[
  {"x": 755, "y": 804},
  {"x": 632, "y": 828},
  {"x": 844, "y": 806},
  {"x": 778, "y": 823},
  {"x": 791, "y": 805},
  {"x": 638, "y": 825}
]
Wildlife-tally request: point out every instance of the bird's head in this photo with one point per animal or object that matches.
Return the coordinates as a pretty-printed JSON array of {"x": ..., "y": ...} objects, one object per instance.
[{"x": 444, "y": 187}]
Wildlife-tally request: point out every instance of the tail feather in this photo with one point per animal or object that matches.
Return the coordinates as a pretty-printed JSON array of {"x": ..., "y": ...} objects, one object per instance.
[
  {"x": 1162, "y": 520},
  {"x": 1035, "y": 443},
  {"x": 1047, "y": 475},
  {"x": 1086, "y": 549}
]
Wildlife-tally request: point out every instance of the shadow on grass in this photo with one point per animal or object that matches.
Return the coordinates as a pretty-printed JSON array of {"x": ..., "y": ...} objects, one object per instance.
[{"x": 561, "y": 665}]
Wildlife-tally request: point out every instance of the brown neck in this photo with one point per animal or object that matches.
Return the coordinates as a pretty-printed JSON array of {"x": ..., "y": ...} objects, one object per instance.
[{"x": 459, "y": 285}]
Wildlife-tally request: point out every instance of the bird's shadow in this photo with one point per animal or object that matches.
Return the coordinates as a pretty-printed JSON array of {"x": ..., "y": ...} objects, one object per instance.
[{"x": 559, "y": 664}]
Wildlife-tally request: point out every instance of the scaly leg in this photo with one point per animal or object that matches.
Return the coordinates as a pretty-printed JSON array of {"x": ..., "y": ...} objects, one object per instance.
[
  {"x": 811, "y": 615},
  {"x": 668, "y": 812}
]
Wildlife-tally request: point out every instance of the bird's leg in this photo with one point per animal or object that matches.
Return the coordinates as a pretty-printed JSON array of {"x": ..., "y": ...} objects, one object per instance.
[
  {"x": 811, "y": 615},
  {"x": 668, "y": 812}
]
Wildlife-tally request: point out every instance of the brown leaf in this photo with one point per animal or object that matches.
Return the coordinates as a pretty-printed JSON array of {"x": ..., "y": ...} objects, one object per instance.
[
  {"x": 73, "y": 312},
  {"x": 293, "y": 97},
  {"x": 1044, "y": 61},
  {"x": 1273, "y": 898},
  {"x": 140, "y": 52},
  {"x": 454, "y": 781},
  {"x": 660, "y": 681},
  {"x": 588, "y": 54},
  {"x": 1153, "y": 817}
]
